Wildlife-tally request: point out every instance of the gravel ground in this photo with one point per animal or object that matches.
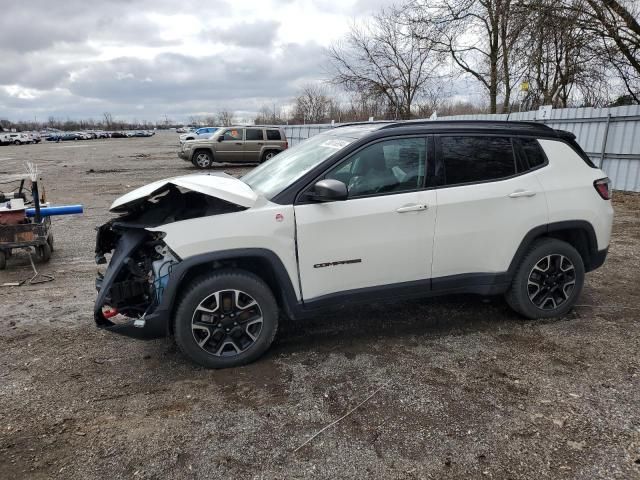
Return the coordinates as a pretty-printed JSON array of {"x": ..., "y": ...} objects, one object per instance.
[{"x": 457, "y": 387}]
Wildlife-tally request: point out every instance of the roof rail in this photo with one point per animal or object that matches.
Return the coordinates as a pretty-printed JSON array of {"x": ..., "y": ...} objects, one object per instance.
[
  {"x": 366, "y": 122},
  {"x": 484, "y": 123}
]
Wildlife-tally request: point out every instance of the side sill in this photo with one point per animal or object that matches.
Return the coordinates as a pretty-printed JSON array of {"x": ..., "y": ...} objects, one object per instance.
[{"x": 476, "y": 283}]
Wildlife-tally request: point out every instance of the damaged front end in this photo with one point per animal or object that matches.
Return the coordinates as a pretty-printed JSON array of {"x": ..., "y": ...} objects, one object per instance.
[{"x": 142, "y": 266}]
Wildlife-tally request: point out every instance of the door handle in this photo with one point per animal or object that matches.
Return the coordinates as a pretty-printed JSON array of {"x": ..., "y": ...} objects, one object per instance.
[
  {"x": 412, "y": 208},
  {"x": 522, "y": 193},
  {"x": 238, "y": 143},
  {"x": 260, "y": 143}
]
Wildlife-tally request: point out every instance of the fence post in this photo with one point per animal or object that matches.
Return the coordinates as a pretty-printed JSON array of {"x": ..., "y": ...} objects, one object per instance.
[{"x": 604, "y": 140}]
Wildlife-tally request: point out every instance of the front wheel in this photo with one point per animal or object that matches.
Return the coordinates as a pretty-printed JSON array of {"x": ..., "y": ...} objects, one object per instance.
[
  {"x": 202, "y": 159},
  {"x": 226, "y": 319},
  {"x": 548, "y": 281}
]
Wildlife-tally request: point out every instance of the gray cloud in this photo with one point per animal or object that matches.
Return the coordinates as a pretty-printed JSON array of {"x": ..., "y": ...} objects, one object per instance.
[
  {"x": 175, "y": 84},
  {"x": 57, "y": 58},
  {"x": 261, "y": 33}
]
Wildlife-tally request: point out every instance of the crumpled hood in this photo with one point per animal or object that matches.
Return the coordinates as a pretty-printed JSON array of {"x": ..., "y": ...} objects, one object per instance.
[{"x": 218, "y": 185}]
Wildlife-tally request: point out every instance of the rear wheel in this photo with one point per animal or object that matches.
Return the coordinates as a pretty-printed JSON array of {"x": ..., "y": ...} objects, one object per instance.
[
  {"x": 226, "y": 319},
  {"x": 548, "y": 281},
  {"x": 202, "y": 159},
  {"x": 268, "y": 155},
  {"x": 3, "y": 260}
]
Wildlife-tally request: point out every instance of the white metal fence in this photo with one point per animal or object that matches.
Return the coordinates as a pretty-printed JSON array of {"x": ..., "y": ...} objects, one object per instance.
[{"x": 610, "y": 136}]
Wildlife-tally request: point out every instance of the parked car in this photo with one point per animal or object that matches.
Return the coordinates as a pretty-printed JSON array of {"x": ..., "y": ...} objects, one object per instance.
[
  {"x": 20, "y": 138},
  {"x": 120, "y": 134},
  {"x": 235, "y": 144},
  {"x": 4, "y": 138},
  {"x": 143, "y": 133},
  {"x": 362, "y": 213},
  {"x": 72, "y": 136},
  {"x": 35, "y": 137},
  {"x": 199, "y": 133}
]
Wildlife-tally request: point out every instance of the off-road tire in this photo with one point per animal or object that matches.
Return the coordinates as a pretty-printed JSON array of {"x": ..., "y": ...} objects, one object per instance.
[
  {"x": 221, "y": 280},
  {"x": 3, "y": 260},
  {"x": 518, "y": 296}
]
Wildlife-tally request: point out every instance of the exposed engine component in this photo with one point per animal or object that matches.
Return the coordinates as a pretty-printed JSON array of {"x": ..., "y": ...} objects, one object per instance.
[{"x": 141, "y": 264}]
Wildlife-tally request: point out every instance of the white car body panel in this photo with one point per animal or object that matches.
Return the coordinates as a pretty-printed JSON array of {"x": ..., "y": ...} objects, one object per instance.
[
  {"x": 479, "y": 227},
  {"x": 367, "y": 242},
  {"x": 568, "y": 182},
  {"x": 267, "y": 226},
  {"x": 391, "y": 247},
  {"x": 218, "y": 185}
]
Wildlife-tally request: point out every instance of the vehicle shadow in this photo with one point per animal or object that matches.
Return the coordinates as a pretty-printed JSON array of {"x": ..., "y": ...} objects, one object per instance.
[{"x": 362, "y": 326}]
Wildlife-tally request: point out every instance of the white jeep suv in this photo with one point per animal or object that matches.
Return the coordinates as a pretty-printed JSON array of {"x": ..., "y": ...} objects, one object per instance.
[{"x": 361, "y": 213}]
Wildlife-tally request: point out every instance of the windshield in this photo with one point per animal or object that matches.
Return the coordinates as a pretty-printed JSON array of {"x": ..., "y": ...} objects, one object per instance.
[{"x": 272, "y": 177}]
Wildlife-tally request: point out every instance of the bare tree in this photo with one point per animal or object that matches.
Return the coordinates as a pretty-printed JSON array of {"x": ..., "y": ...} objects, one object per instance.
[
  {"x": 270, "y": 114},
  {"x": 559, "y": 58},
  {"x": 479, "y": 36},
  {"x": 312, "y": 105},
  {"x": 617, "y": 24},
  {"x": 385, "y": 60},
  {"x": 225, "y": 118}
]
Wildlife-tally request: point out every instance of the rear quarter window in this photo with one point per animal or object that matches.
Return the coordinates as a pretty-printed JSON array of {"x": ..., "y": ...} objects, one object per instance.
[
  {"x": 532, "y": 151},
  {"x": 274, "y": 135}
]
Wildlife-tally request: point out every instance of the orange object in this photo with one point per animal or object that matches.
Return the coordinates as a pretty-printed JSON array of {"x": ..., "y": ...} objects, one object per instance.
[{"x": 12, "y": 217}]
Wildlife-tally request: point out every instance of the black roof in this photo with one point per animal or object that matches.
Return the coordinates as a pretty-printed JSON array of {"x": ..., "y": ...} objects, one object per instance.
[{"x": 478, "y": 126}]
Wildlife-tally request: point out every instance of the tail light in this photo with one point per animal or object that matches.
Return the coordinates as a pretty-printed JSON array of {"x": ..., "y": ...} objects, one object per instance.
[
  {"x": 602, "y": 186},
  {"x": 286, "y": 144}
]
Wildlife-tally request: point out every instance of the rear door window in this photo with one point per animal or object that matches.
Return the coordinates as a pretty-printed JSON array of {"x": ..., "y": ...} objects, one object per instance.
[
  {"x": 254, "y": 134},
  {"x": 470, "y": 159},
  {"x": 274, "y": 135}
]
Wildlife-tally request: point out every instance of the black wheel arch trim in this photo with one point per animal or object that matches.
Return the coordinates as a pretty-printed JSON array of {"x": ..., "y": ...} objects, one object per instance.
[
  {"x": 591, "y": 257},
  {"x": 202, "y": 149},
  {"x": 286, "y": 294}
]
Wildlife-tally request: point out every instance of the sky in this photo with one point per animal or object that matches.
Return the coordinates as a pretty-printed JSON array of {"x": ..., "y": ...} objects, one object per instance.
[{"x": 144, "y": 59}]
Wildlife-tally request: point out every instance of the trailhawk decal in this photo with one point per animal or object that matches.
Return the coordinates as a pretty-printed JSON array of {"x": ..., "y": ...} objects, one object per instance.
[{"x": 339, "y": 262}]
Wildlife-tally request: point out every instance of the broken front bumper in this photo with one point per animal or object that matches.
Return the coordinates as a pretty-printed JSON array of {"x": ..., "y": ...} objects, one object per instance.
[{"x": 147, "y": 326}]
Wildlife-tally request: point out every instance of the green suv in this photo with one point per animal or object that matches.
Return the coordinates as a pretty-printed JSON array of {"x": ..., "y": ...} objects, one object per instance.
[{"x": 254, "y": 144}]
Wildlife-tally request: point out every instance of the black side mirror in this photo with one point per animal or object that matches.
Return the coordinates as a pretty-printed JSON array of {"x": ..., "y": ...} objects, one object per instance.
[
  {"x": 221, "y": 138},
  {"x": 329, "y": 190}
]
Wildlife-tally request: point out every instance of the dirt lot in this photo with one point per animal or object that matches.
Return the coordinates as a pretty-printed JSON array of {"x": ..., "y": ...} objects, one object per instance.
[{"x": 459, "y": 387}]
